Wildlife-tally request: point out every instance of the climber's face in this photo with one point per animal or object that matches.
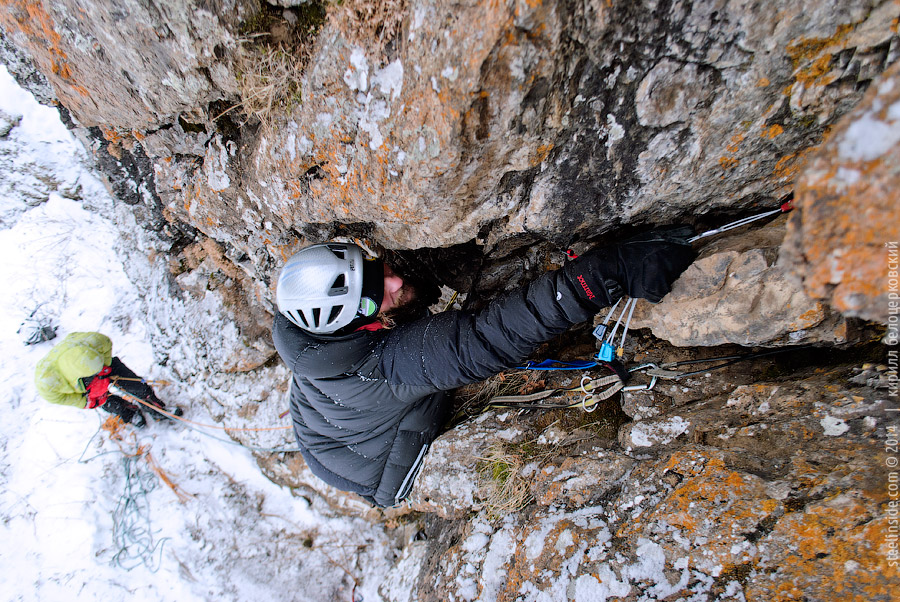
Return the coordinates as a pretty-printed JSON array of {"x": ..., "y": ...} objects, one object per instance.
[{"x": 396, "y": 292}]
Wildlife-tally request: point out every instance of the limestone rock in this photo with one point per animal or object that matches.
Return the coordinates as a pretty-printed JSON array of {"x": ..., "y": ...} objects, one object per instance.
[
  {"x": 554, "y": 122},
  {"x": 132, "y": 66},
  {"x": 7, "y": 123},
  {"x": 737, "y": 293},
  {"x": 843, "y": 239},
  {"x": 579, "y": 480},
  {"x": 449, "y": 483},
  {"x": 736, "y": 508}
]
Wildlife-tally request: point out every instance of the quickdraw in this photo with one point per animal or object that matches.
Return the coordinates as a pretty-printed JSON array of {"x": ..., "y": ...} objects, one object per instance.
[
  {"x": 786, "y": 206},
  {"x": 595, "y": 389},
  {"x": 666, "y": 370}
]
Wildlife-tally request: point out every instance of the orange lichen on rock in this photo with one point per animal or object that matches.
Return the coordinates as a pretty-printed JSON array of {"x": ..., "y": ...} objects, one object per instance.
[
  {"x": 809, "y": 318},
  {"x": 833, "y": 547},
  {"x": 848, "y": 210},
  {"x": 790, "y": 165},
  {"x": 716, "y": 503},
  {"x": 809, "y": 49},
  {"x": 540, "y": 154},
  {"x": 727, "y": 163},
  {"x": 772, "y": 131},
  {"x": 29, "y": 17},
  {"x": 557, "y": 549}
]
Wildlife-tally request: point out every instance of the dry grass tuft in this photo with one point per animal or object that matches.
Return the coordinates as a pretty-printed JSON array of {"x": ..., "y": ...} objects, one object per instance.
[
  {"x": 507, "y": 490},
  {"x": 269, "y": 81},
  {"x": 274, "y": 50},
  {"x": 470, "y": 400},
  {"x": 368, "y": 23},
  {"x": 276, "y": 46}
]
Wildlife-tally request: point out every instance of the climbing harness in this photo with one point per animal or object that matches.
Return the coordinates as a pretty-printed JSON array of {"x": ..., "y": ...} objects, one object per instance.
[
  {"x": 117, "y": 391},
  {"x": 595, "y": 389},
  {"x": 786, "y": 206}
]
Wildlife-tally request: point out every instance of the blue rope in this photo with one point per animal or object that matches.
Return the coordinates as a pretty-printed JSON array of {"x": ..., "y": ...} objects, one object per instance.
[
  {"x": 558, "y": 365},
  {"x": 132, "y": 528}
]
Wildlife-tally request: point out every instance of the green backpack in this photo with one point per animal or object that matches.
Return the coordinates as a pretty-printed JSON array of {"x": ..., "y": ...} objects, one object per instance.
[{"x": 58, "y": 375}]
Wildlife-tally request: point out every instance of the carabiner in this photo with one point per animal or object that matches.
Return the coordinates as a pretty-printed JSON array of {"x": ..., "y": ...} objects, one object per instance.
[{"x": 646, "y": 387}]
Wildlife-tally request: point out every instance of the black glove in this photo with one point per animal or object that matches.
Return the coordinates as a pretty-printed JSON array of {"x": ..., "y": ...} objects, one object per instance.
[
  {"x": 651, "y": 262},
  {"x": 644, "y": 266}
]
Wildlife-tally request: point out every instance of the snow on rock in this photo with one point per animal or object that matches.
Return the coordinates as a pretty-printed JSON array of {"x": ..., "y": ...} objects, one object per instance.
[
  {"x": 648, "y": 433},
  {"x": 448, "y": 483},
  {"x": 218, "y": 528},
  {"x": 36, "y": 156},
  {"x": 833, "y": 427},
  {"x": 702, "y": 516}
]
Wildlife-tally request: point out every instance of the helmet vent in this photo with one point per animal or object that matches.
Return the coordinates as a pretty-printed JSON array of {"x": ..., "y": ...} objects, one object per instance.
[
  {"x": 320, "y": 287},
  {"x": 297, "y": 318},
  {"x": 335, "y": 312},
  {"x": 339, "y": 287}
]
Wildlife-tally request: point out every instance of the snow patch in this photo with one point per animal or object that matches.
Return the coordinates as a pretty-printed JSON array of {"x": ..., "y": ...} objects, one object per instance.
[
  {"x": 357, "y": 74},
  {"x": 390, "y": 79},
  {"x": 615, "y": 132},
  {"x": 658, "y": 433},
  {"x": 869, "y": 137},
  {"x": 216, "y": 165},
  {"x": 834, "y": 427}
]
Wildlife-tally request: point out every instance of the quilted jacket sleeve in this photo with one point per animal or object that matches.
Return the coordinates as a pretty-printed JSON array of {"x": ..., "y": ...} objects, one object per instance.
[{"x": 452, "y": 349}]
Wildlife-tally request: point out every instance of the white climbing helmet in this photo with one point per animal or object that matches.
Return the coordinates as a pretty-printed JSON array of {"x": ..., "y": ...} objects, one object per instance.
[{"x": 320, "y": 288}]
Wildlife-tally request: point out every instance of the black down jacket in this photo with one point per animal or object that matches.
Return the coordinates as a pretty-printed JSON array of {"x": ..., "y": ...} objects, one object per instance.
[{"x": 366, "y": 406}]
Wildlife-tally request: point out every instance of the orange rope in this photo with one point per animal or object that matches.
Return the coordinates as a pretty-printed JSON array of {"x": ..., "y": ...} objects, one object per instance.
[
  {"x": 182, "y": 496},
  {"x": 116, "y": 429},
  {"x": 130, "y": 397}
]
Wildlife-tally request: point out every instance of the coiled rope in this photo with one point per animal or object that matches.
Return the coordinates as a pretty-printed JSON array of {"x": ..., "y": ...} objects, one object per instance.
[{"x": 132, "y": 527}]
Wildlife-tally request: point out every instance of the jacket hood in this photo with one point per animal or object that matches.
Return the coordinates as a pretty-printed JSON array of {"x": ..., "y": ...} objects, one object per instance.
[{"x": 321, "y": 356}]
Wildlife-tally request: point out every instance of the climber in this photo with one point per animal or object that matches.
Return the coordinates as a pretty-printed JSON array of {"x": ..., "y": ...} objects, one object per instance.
[
  {"x": 369, "y": 388},
  {"x": 78, "y": 372}
]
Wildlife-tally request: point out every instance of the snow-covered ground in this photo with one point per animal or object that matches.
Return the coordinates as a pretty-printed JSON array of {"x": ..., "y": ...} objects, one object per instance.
[{"x": 221, "y": 530}]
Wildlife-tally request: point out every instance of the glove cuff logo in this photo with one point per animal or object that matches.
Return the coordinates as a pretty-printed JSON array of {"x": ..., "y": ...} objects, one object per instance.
[{"x": 590, "y": 294}]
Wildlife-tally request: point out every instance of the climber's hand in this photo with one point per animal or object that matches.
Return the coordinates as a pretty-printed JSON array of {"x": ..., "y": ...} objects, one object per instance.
[{"x": 649, "y": 263}]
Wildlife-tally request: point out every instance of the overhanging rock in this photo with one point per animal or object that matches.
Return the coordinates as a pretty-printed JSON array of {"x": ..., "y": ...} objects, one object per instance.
[{"x": 737, "y": 293}]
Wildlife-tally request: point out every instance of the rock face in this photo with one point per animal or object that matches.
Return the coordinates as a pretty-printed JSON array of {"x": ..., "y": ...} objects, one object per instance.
[
  {"x": 736, "y": 292},
  {"x": 843, "y": 242},
  {"x": 489, "y": 136},
  {"x": 550, "y": 122},
  {"x": 776, "y": 490}
]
